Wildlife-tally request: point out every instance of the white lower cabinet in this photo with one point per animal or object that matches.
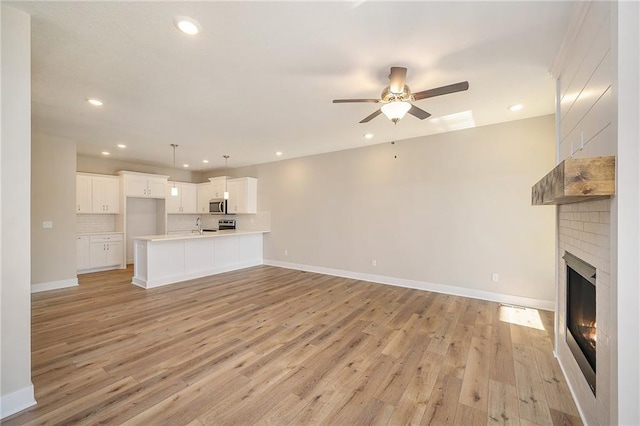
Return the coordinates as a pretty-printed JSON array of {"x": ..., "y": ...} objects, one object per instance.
[
  {"x": 99, "y": 252},
  {"x": 171, "y": 260},
  {"x": 82, "y": 249}
]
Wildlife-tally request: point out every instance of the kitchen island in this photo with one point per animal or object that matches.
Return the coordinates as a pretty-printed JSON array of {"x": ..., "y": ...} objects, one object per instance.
[{"x": 166, "y": 259}]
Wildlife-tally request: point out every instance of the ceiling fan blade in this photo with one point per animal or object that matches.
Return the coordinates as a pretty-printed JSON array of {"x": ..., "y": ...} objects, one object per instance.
[
  {"x": 444, "y": 90},
  {"x": 397, "y": 79},
  {"x": 371, "y": 116},
  {"x": 343, "y": 101},
  {"x": 418, "y": 112}
]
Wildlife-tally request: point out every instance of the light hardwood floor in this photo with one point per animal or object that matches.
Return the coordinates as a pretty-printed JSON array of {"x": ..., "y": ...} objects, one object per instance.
[{"x": 274, "y": 346}]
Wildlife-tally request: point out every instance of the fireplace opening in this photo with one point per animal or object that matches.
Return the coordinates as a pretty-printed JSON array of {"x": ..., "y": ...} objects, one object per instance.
[{"x": 581, "y": 315}]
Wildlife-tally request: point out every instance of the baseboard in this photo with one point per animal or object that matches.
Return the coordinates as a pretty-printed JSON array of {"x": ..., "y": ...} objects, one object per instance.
[
  {"x": 546, "y": 305},
  {"x": 571, "y": 390},
  {"x": 54, "y": 285},
  {"x": 16, "y": 401}
]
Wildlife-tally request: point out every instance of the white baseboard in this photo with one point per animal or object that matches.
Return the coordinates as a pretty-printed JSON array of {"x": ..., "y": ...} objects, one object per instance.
[
  {"x": 546, "y": 305},
  {"x": 571, "y": 390},
  {"x": 16, "y": 401},
  {"x": 54, "y": 285}
]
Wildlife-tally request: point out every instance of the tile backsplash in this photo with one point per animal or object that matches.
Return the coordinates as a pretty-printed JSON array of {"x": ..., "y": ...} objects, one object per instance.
[
  {"x": 88, "y": 223},
  {"x": 260, "y": 221}
]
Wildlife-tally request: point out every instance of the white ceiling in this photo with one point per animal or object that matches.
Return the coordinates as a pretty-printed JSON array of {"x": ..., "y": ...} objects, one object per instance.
[{"x": 261, "y": 76}]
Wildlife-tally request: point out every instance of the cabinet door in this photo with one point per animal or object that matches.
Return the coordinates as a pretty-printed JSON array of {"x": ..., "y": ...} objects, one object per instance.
[
  {"x": 82, "y": 252},
  {"x": 218, "y": 186},
  {"x": 83, "y": 194},
  {"x": 135, "y": 186},
  {"x": 156, "y": 187},
  {"x": 243, "y": 195},
  {"x": 98, "y": 255},
  {"x": 113, "y": 254},
  {"x": 172, "y": 201},
  {"x": 235, "y": 203},
  {"x": 203, "y": 193},
  {"x": 189, "y": 199},
  {"x": 111, "y": 195},
  {"x": 105, "y": 195}
]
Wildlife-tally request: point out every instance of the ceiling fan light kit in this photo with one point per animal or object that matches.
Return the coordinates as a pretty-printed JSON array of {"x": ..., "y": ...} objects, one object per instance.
[
  {"x": 397, "y": 97},
  {"x": 396, "y": 110}
]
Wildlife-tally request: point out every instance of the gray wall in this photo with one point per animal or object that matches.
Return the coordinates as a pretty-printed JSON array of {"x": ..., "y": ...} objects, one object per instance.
[
  {"x": 53, "y": 198},
  {"x": 15, "y": 382},
  {"x": 109, "y": 166},
  {"x": 446, "y": 209}
]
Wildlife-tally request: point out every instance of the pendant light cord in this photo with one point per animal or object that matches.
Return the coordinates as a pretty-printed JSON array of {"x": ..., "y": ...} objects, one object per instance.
[
  {"x": 226, "y": 168},
  {"x": 174, "y": 190}
]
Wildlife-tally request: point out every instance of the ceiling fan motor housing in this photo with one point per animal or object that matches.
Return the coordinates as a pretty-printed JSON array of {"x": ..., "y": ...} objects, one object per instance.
[{"x": 388, "y": 96}]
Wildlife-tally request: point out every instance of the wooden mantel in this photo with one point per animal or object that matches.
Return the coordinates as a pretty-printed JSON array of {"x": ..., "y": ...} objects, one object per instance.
[{"x": 575, "y": 180}]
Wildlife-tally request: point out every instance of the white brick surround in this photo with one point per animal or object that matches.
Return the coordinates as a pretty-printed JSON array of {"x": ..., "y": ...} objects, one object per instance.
[{"x": 584, "y": 231}]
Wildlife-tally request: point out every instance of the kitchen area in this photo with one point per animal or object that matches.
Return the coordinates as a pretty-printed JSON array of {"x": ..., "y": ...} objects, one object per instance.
[{"x": 170, "y": 231}]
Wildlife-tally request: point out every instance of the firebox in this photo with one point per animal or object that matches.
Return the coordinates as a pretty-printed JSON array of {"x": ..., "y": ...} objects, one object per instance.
[{"x": 581, "y": 315}]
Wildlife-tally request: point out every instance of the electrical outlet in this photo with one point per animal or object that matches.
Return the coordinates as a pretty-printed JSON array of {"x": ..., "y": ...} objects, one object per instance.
[
  {"x": 495, "y": 277},
  {"x": 374, "y": 262},
  {"x": 47, "y": 224},
  {"x": 286, "y": 252}
]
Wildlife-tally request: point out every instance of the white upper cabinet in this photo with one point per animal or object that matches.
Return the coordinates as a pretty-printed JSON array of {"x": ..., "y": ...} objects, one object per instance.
[
  {"x": 142, "y": 185},
  {"x": 83, "y": 194},
  {"x": 243, "y": 195},
  {"x": 203, "y": 196},
  {"x": 218, "y": 185},
  {"x": 186, "y": 200},
  {"x": 106, "y": 194},
  {"x": 97, "y": 194}
]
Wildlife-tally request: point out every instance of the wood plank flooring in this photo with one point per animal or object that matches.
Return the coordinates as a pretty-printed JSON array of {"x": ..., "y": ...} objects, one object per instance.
[{"x": 272, "y": 346}]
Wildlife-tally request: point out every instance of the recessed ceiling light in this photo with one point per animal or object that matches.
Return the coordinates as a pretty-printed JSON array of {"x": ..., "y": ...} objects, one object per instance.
[
  {"x": 185, "y": 165},
  {"x": 187, "y": 25},
  {"x": 368, "y": 135},
  {"x": 278, "y": 153},
  {"x": 516, "y": 107},
  {"x": 205, "y": 161},
  {"x": 106, "y": 153},
  {"x": 95, "y": 102},
  {"x": 121, "y": 146}
]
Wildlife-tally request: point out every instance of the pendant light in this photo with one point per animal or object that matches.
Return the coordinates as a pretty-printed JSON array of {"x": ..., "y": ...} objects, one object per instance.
[
  {"x": 174, "y": 190},
  {"x": 226, "y": 191}
]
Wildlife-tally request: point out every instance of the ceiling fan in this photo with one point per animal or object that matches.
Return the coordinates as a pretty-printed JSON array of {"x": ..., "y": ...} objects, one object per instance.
[{"x": 397, "y": 97}]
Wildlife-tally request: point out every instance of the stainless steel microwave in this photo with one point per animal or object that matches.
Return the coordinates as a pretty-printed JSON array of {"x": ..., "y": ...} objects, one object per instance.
[{"x": 218, "y": 206}]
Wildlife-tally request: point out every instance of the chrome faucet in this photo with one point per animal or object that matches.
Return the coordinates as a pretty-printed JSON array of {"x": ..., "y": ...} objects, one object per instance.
[{"x": 199, "y": 225}]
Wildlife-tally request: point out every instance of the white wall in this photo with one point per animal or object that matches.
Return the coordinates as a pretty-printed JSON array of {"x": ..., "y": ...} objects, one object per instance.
[
  {"x": 599, "y": 76},
  {"x": 587, "y": 128},
  {"x": 447, "y": 209},
  {"x": 627, "y": 36},
  {"x": 53, "y": 195},
  {"x": 15, "y": 384}
]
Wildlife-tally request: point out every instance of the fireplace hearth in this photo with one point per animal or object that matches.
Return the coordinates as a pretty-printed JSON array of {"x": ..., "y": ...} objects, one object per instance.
[{"x": 581, "y": 315}]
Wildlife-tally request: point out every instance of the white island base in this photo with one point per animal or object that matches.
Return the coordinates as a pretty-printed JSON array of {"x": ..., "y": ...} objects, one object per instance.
[{"x": 166, "y": 259}]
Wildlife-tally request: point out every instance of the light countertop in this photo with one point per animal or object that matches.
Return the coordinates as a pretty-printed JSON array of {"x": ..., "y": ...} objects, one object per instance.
[
  {"x": 100, "y": 233},
  {"x": 189, "y": 236}
]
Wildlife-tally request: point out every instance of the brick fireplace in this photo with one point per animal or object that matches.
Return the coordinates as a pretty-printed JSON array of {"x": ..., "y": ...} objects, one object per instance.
[{"x": 584, "y": 232}]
